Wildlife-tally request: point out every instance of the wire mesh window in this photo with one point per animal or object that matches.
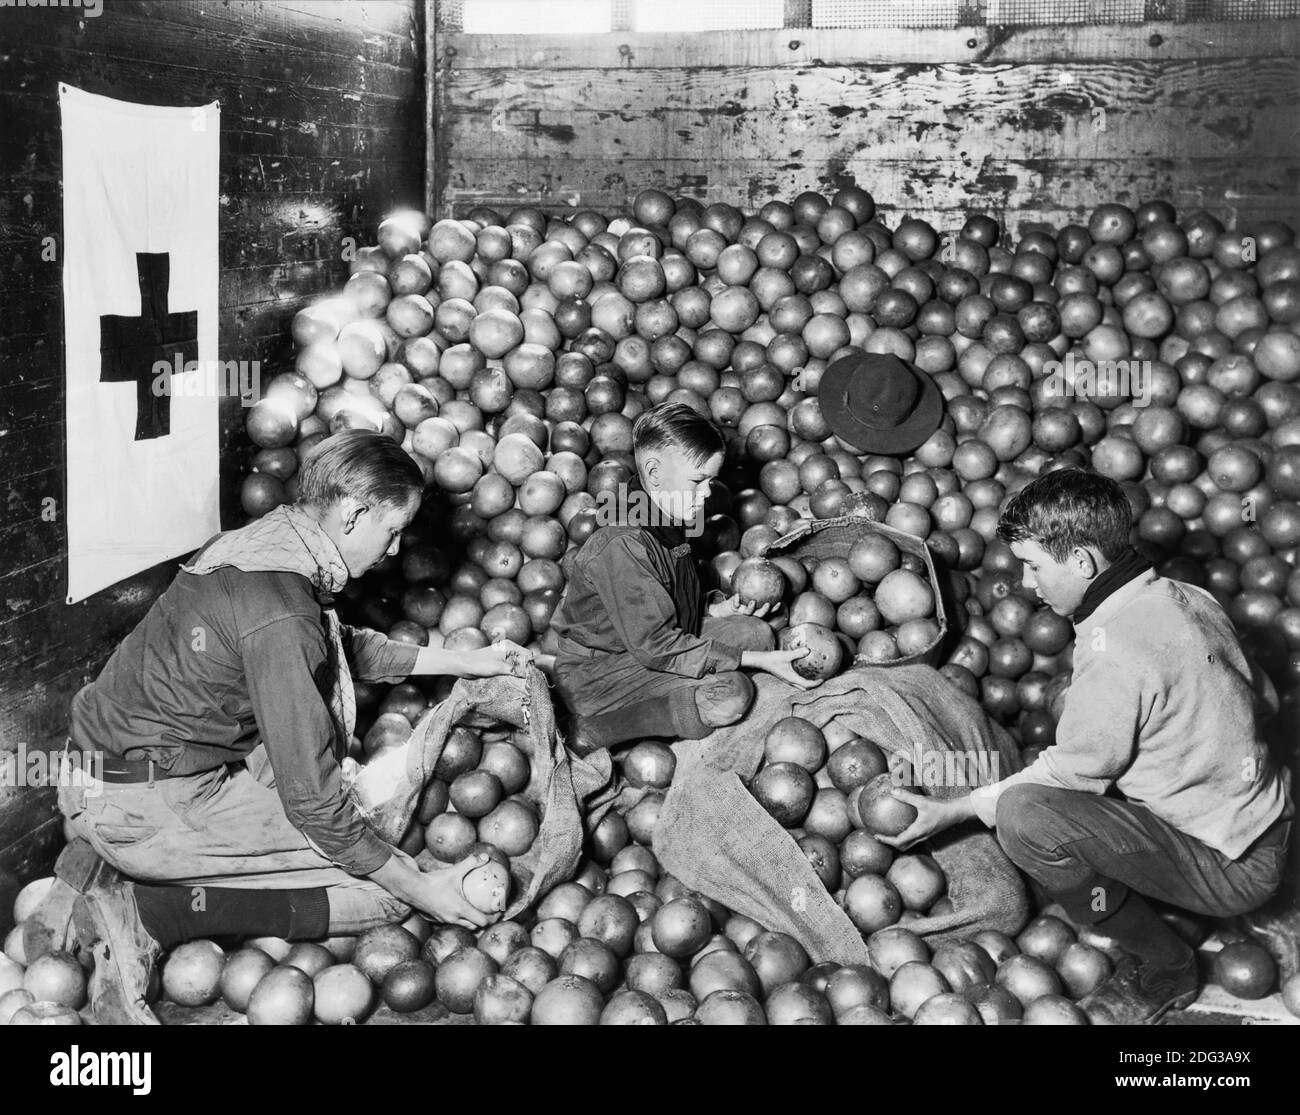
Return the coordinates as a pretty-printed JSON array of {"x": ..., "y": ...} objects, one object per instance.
[
  {"x": 885, "y": 13},
  {"x": 536, "y": 17},
  {"x": 1066, "y": 11},
  {"x": 706, "y": 15},
  {"x": 533, "y": 17}
]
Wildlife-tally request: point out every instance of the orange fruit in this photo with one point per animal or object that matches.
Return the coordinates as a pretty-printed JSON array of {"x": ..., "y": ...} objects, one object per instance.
[
  {"x": 191, "y": 974},
  {"x": 459, "y": 976},
  {"x": 13, "y": 1001},
  {"x": 409, "y": 986},
  {"x": 593, "y": 960},
  {"x": 1046, "y": 938},
  {"x": 1082, "y": 969},
  {"x": 58, "y": 977},
  {"x": 894, "y": 946},
  {"x": 730, "y": 1007},
  {"x": 872, "y": 903},
  {"x": 1027, "y": 978},
  {"x": 343, "y": 995},
  {"x": 920, "y": 881},
  {"x": 382, "y": 948},
  {"x": 241, "y": 975},
  {"x": 568, "y": 1000},
  {"x": 502, "y": 1000},
  {"x": 310, "y": 957},
  {"x": 285, "y": 996},
  {"x": 531, "y": 967},
  {"x": 902, "y": 596},
  {"x": 633, "y": 1008},
  {"x": 45, "y": 1014},
  {"x": 914, "y": 984},
  {"x": 947, "y": 1009},
  {"x": 1053, "y": 1010},
  {"x": 681, "y": 927},
  {"x": 1242, "y": 969},
  {"x": 796, "y": 740},
  {"x": 797, "y": 1004}
]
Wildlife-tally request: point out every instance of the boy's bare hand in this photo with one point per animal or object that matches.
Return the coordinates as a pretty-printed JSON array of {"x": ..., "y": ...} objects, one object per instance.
[
  {"x": 735, "y": 606},
  {"x": 500, "y": 658},
  {"x": 441, "y": 898},
  {"x": 778, "y": 664},
  {"x": 932, "y": 817}
]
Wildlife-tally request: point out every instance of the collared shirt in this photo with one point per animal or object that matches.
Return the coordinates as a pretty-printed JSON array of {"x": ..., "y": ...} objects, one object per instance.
[
  {"x": 229, "y": 660},
  {"x": 1161, "y": 707}
]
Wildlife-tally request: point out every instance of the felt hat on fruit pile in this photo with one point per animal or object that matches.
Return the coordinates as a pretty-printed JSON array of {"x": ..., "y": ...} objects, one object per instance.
[{"x": 879, "y": 403}]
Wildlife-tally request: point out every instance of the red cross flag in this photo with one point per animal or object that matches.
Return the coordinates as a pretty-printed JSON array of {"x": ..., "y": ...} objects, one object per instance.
[{"x": 140, "y": 320}]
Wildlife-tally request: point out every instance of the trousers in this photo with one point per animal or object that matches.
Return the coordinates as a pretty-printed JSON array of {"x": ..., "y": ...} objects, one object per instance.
[
  {"x": 1065, "y": 839},
  {"x": 224, "y": 827}
]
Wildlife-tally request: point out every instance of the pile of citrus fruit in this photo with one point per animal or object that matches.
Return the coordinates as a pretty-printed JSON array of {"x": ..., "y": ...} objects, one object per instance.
[{"x": 509, "y": 354}]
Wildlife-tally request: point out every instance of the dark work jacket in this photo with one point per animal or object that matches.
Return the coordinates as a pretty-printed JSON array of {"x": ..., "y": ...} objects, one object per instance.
[
  {"x": 635, "y": 590},
  {"x": 227, "y": 661}
]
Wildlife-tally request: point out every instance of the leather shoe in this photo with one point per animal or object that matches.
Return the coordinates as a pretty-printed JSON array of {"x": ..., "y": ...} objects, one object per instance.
[
  {"x": 1139, "y": 993},
  {"x": 49, "y": 927},
  {"x": 108, "y": 925}
]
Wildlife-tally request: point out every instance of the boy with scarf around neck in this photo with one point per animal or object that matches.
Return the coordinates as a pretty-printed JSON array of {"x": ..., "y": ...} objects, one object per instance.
[
  {"x": 222, "y": 721},
  {"x": 1158, "y": 785},
  {"x": 636, "y": 658}
]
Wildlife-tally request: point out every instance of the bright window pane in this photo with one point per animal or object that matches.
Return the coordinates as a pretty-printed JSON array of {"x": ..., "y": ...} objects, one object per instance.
[
  {"x": 706, "y": 15},
  {"x": 537, "y": 17}
]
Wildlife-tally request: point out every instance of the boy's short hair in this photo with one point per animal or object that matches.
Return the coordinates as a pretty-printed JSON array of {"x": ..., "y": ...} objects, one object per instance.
[
  {"x": 1068, "y": 508},
  {"x": 678, "y": 426},
  {"x": 362, "y": 464}
]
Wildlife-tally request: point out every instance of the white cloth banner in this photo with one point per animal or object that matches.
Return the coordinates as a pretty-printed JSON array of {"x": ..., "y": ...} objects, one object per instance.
[{"x": 140, "y": 272}]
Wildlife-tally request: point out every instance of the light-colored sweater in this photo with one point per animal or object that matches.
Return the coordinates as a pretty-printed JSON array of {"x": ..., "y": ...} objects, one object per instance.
[{"x": 1161, "y": 707}]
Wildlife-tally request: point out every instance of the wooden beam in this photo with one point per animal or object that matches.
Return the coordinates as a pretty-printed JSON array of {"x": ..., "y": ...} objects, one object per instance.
[
  {"x": 1277, "y": 38},
  {"x": 431, "y": 118}
]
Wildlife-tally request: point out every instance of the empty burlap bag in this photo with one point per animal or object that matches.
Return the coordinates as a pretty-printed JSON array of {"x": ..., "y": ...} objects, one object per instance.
[
  {"x": 565, "y": 789},
  {"x": 715, "y": 837}
]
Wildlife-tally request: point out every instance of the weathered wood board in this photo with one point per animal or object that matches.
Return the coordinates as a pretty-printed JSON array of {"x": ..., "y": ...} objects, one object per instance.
[
  {"x": 322, "y": 133},
  {"x": 1031, "y": 124}
]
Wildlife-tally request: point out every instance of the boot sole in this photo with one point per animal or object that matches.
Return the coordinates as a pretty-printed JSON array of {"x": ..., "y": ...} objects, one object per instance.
[{"x": 1181, "y": 1002}]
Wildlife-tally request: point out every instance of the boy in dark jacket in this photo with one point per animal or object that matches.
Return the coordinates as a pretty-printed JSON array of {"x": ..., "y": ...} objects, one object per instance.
[{"x": 636, "y": 656}]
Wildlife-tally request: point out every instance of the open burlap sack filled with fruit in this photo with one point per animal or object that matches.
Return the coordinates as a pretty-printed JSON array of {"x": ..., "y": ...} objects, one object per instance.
[
  {"x": 565, "y": 788},
  {"x": 715, "y": 836}
]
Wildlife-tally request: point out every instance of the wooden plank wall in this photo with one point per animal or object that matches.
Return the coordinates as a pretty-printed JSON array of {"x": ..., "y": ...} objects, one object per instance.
[
  {"x": 322, "y": 133},
  {"x": 1030, "y": 124}
]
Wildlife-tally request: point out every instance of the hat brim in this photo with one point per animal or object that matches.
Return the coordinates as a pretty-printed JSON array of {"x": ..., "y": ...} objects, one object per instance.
[{"x": 833, "y": 395}]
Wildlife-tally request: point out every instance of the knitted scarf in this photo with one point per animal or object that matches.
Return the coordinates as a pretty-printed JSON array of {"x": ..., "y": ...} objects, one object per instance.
[
  {"x": 1126, "y": 567},
  {"x": 288, "y": 540}
]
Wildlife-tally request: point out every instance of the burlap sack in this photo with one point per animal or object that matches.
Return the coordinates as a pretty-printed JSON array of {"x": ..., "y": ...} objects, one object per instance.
[
  {"x": 567, "y": 790},
  {"x": 835, "y": 538},
  {"x": 715, "y": 837}
]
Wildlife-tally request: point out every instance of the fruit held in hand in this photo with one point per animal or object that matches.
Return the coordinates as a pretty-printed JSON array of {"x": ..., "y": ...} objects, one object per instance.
[
  {"x": 825, "y": 652},
  {"x": 881, "y": 812},
  {"x": 486, "y": 887}
]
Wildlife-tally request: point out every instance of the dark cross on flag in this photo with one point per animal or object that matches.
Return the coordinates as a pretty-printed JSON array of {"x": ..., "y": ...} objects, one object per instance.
[{"x": 131, "y": 346}]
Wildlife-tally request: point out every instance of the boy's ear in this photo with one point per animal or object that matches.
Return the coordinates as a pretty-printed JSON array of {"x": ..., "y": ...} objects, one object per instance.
[
  {"x": 350, "y": 511},
  {"x": 1085, "y": 562},
  {"x": 651, "y": 469}
]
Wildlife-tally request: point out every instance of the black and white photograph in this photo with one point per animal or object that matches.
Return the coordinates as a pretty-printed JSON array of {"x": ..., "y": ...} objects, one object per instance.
[{"x": 651, "y": 513}]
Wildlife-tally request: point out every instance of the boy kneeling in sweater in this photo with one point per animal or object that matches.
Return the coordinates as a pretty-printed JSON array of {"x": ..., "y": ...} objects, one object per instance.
[
  {"x": 636, "y": 657},
  {"x": 1158, "y": 785}
]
